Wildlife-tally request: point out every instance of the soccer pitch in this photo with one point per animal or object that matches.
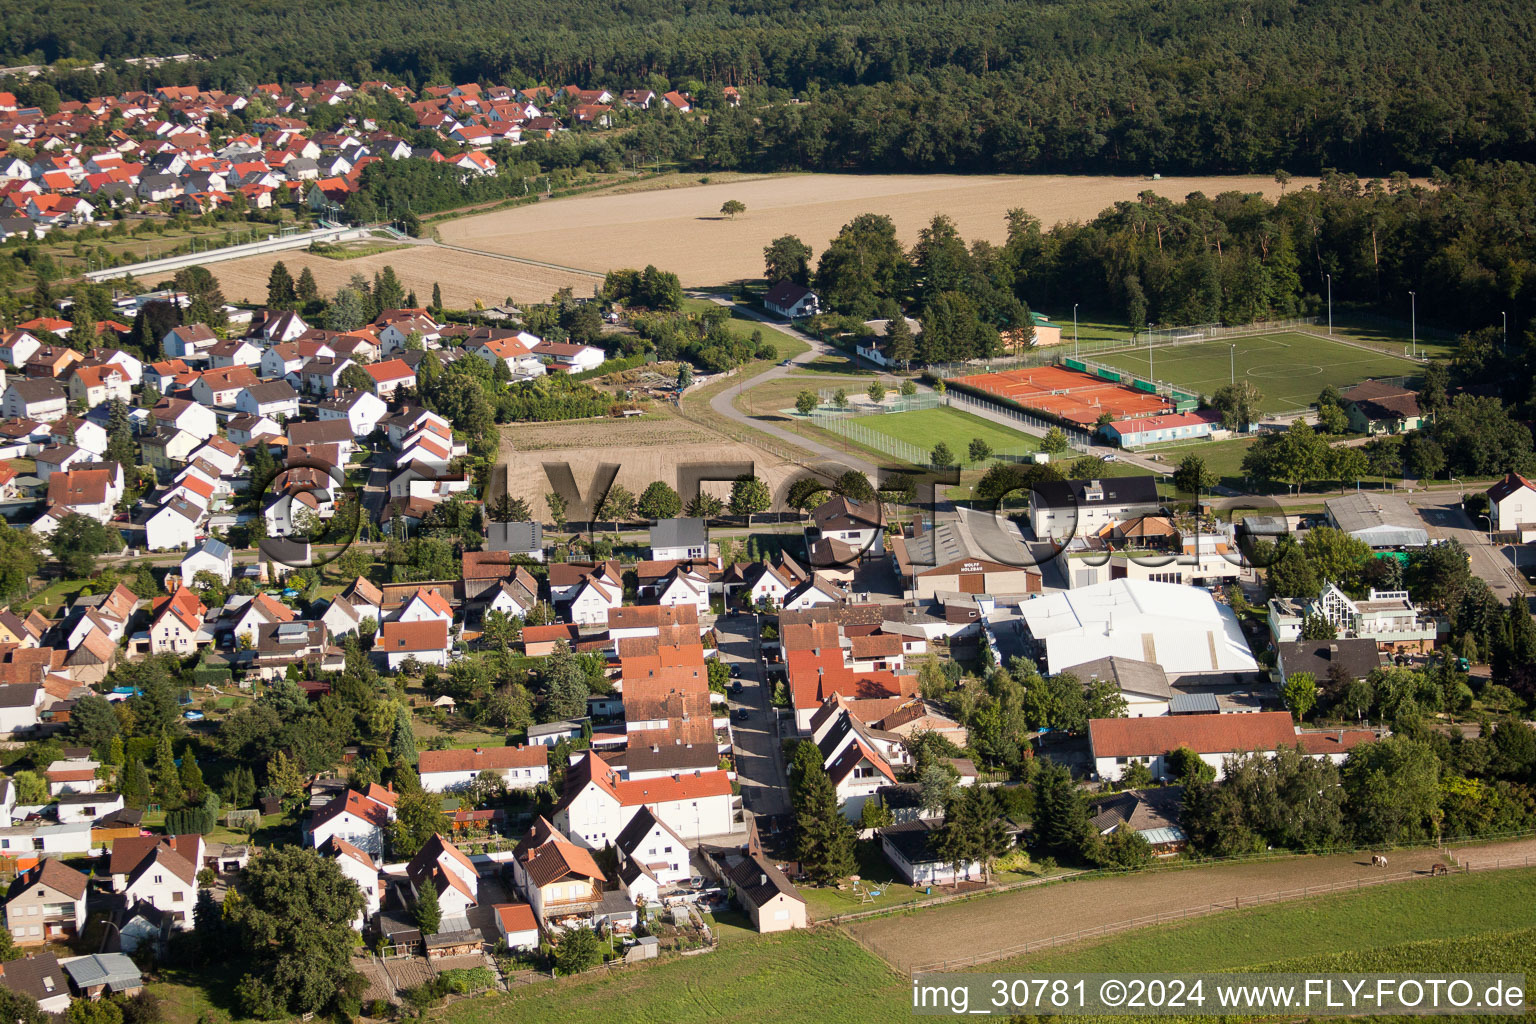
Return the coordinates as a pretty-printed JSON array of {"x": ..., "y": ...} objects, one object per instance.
[
  {"x": 1288, "y": 369},
  {"x": 927, "y": 427}
]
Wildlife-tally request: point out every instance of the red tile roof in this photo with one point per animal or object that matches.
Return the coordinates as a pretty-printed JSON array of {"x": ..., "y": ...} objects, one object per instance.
[
  {"x": 1204, "y": 734},
  {"x": 483, "y": 759}
]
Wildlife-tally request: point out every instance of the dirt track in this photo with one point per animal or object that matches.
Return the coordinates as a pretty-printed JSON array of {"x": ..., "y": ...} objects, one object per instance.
[
  {"x": 977, "y": 926},
  {"x": 681, "y": 229}
]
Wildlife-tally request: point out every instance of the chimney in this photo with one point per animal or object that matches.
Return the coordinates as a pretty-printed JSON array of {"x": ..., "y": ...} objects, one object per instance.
[
  {"x": 762, "y": 878},
  {"x": 1332, "y": 650}
]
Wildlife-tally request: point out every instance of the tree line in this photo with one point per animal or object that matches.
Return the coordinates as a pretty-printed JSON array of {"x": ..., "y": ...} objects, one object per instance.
[{"x": 983, "y": 85}]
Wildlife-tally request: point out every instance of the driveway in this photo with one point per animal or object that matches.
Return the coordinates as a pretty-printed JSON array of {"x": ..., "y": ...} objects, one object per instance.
[{"x": 755, "y": 741}]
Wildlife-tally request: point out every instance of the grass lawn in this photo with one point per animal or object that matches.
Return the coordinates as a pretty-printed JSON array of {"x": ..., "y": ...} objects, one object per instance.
[
  {"x": 54, "y": 594},
  {"x": 743, "y": 326},
  {"x": 1389, "y": 914},
  {"x": 819, "y": 975},
  {"x": 1288, "y": 369},
  {"x": 1224, "y": 458},
  {"x": 823, "y": 975},
  {"x": 927, "y": 427}
]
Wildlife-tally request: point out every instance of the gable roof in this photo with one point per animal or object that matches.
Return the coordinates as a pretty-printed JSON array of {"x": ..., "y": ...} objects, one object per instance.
[
  {"x": 410, "y": 637},
  {"x": 1204, "y": 734},
  {"x": 483, "y": 759}
]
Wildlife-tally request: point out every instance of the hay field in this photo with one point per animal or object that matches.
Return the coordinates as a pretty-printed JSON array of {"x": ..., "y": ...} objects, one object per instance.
[
  {"x": 462, "y": 276},
  {"x": 681, "y": 229},
  {"x": 645, "y": 450}
]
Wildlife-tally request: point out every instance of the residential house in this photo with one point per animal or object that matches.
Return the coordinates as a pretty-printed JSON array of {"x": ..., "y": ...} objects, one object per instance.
[
  {"x": 35, "y": 398},
  {"x": 287, "y": 359},
  {"x": 167, "y": 880},
  {"x": 46, "y": 904},
  {"x": 322, "y": 375},
  {"x": 268, "y": 400},
  {"x": 235, "y": 352},
  {"x": 282, "y": 644},
  {"x": 91, "y": 386},
  {"x": 426, "y": 642},
  {"x": 92, "y": 492},
  {"x": 72, "y": 775},
  {"x": 452, "y": 875},
  {"x": 390, "y": 376},
  {"x": 679, "y": 539},
  {"x": 361, "y": 410},
  {"x": 1062, "y": 509},
  {"x": 521, "y": 767},
  {"x": 177, "y": 413},
  {"x": 791, "y": 301},
  {"x": 652, "y": 858},
  {"x": 598, "y": 804},
  {"x": 910, "y": 848},
  {"x": 176, "y": 527},
  {"x": 526, "y": 539},
  {"x": 556, "y": 876},
  {"x": 40, "y": 978},
  {"x": 1153, "y": 814},
  {"x": 188, "y": 342},
  {"x": 167, "y": 450},
  {"x": 221, "y": 387},
  {"x": 246, "y": 428},
  {"x": 210, "y": 556},
  {"x": 860, "y": 525},
  {"x": 1115, "y": 743},
  {"x": 762, "y": 890},
  {"x": 569, "y": 358},
  {"x": 356, "y": 818},
  {"x": 176, "y": 624},
  {"x": 361, "y": 868},
  {"x": 1512, "y": 502}
]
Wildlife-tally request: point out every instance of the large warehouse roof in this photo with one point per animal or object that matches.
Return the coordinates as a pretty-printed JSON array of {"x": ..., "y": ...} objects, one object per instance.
[{"x": 1181, "y": 628}]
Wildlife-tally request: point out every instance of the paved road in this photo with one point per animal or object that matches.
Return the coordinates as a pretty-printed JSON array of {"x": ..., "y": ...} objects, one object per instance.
[
  {"x": 759, "y": 761},
  {"x": 1446, "y": 519}
]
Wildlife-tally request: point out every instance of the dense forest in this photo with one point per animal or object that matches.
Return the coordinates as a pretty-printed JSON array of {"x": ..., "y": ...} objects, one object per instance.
[{"x": 972, "y": 85}]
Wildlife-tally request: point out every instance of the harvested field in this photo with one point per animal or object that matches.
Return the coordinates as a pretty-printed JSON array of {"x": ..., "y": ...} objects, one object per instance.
[
  {"x": 644, "y": 449},
  {"x": 681, "y": 229},
  {"x": 976, "y": 926},
  {"x": 462, "y": 276}
]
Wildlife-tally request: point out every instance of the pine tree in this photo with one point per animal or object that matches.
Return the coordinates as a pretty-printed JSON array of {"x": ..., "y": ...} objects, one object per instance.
[
  {"x": 387, "y": 291},
  {"x": 191, "y": 776},
  {"x": 826, "y": 838},
  {"x": 428, "y": 914},
  {"x": 410, "y": 301},
  {"x": 898, "y": 335},
  {"x": 437, "y": 296},
  {"x": 280, "y": 290},
  {"x": 307, "y": 290},
  {"x": 402, "y": 742},
  {"x": 135, "y": 784},
  {"x": 167, "y": 777},
  {"x": 1061, "y": 817}
]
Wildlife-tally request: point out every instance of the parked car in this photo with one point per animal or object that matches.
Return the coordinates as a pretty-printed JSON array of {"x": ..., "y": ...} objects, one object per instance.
[{"x": 736, "y": 686}]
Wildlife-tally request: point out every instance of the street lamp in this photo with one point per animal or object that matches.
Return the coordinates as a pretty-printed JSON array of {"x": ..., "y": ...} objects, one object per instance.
[
  {"x": 1075, "y": 350},
  {"x": 1233, "y": 360},
  {"x": 1330, "y": 305},
  {"x": 1413, "y": 300},
  {"x": 1150, "y": 376},
  {"x": 1504, "y": 340}
]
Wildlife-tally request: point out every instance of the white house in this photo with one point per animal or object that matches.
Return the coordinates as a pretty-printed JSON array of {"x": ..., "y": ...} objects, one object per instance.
[
  {"x": 77, "y": 807},
  {"x": 679, "y": 539},
  {"x": 456, "y": 879},
  {"x": 1116, "y": 743},
  {"x": 354, "y": 817},
  {"x": 197, "y": 420},
  {"x": 858, "y": 524},
  {"x": 684, "y": 586},
  {"x": 592, "y": 601},
  {"x": 598, "y": 804},
  {"x": 30, "y": 840},
  {"x": 270, "y": 399},
  {"x": 426, "y": 642},
  {"x": 73, "y": 775},
  {"x": 35, "y": 398},
  {"x": 1512, "y": 502},
  {"x": 167, "y": 881},
  {"x": 516, "y": 925},
  {"x": 390, "y": 376},
  {"x": 361, "y": 409},
  {"x": 190, "y": 341},
  {"x": 520, "y": 767},
  {"x": 652, "y": 857},
  {"x": 1062, "y": 509},
  {"x": 791, "y": 301},
  {"x": 221, "y": 387},
  {"x": 359, "y": 866},
  {"x": 175, "y": 527},
  {"x": 210, "y": 556},
  {"x": 909, "y": 846}
]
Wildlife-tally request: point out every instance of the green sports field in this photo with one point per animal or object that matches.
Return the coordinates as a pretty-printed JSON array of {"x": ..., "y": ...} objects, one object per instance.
[
  {"x": 927, "y": 427},
  {"x": 1288, "y": 369}
]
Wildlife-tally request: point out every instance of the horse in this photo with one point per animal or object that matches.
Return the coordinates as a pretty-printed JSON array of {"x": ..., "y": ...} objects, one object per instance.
[
  {"x": 1378, "y": 861},
  {"x": 1439, "y": 869}
]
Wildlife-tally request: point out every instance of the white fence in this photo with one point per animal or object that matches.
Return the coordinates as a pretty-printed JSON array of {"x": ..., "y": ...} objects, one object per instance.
[{"x": 274, "y": 243}]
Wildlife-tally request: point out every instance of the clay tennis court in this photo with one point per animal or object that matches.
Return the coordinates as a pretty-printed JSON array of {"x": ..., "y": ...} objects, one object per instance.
[
  {"x": 992, "y": 922},
  {"x": 1079, "y": 398}
]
